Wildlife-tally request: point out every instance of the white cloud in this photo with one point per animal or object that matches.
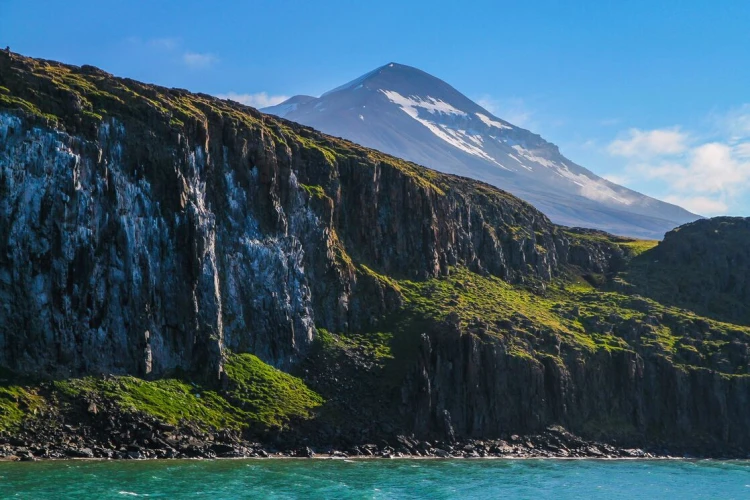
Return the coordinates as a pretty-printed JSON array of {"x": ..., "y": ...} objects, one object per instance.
[
  {"x": 590, "y": 144},
  {"x": 737, "y": 123},
  {"x": 710, "y": 168},
  {"x": 258, "y": 100},
  {"x": 706, "y": 177},
  {"x": 198, "y": 60},
  {"x": 511, "y": 110},
  {"x": 164, "y": 43},
  {"x": 649, "y": 143},
  {"x": 713, "y": 168},
  {"x": 173, "y": 49},
  {"x": 742, "y": 150}
]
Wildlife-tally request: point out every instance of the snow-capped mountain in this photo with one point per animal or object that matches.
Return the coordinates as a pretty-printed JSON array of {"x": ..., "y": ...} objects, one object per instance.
[{"x": 410, "y": 114}]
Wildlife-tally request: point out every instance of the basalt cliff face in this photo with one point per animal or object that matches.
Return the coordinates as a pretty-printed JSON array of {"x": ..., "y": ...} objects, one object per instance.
[
  {"x": 158, "y": 247},
  {"x": 703, "y": 266},
  {"x": 136, "y": 245}
]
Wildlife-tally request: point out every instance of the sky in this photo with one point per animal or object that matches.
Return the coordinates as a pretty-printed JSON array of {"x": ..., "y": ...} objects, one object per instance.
[{"x": 654, "y": 95}]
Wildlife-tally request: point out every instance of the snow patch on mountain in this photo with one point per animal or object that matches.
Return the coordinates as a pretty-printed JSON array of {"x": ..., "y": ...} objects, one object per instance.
[
  {"x": 429, "y": 104},
  {"x": 594, "y": 189},
  {"x": 468, "y": 143},
  {"x": 492, "y": 123}
]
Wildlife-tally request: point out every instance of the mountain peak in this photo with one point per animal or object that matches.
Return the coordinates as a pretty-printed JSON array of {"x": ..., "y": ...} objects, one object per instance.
[
  {"x": 406, "y": 112},
  {"x": 387, "y": 70}
]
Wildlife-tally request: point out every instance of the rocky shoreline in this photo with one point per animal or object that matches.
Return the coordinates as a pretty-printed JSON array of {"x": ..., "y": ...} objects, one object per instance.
[{"x": 171, "y": 443}]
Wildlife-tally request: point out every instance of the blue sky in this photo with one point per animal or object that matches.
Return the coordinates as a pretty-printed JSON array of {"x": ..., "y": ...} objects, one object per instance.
[{"x": 653, "y": 95}]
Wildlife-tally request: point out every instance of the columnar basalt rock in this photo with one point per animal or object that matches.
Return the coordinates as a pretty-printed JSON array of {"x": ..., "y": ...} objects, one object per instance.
[{"x": 136, "y": 247}]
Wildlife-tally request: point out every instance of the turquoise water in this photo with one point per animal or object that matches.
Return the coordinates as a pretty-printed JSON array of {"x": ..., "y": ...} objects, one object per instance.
[{"x": 434, "y": 479}]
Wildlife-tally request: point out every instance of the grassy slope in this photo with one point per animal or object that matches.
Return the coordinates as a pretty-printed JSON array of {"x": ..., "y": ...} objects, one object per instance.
[
  {"x": 578, "y": 315},
  {"x": 257, "y": 395}
]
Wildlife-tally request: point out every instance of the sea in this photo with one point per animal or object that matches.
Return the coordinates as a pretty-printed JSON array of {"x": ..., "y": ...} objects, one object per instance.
[{"x": 375, "y": 479}]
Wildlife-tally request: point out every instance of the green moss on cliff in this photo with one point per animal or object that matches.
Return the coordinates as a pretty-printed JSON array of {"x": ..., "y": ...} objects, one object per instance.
[
  {"x": 637, "y": 247},
  {"x": 12, "y": 102},
  {"x": 577, "y": 315},
  {"x": 314, "y": 191},
  {"x": 311, "y": 145},
  {"x": 629, "y": 247},
  {"x": 372, "y": 345},
  {"x": 268, "y": 396},
  {"x": 489, "y": 304},
  {"x": 257, "y": 396},
  {"x": 703, "y": 266},
  {"x": 647, "y": 326},
  {"x": 16, "y": 403},
  {"x": 170, "y": 401},
  {"x": 385, "y": 281},
  {"x": 79, "y": 98}
]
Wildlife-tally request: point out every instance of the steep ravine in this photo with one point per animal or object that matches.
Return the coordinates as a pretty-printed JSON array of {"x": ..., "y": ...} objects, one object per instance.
[{"x": 161, "y": 234}]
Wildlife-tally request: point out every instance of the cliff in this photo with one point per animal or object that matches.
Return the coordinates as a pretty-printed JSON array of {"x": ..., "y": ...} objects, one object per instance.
[
  {"x": 703, "y": 266},
  {"x": 194, "y": 244}
]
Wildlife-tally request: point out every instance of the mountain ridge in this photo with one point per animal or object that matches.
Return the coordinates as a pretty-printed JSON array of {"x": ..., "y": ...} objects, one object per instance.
[{"x": 409, "y": 113}]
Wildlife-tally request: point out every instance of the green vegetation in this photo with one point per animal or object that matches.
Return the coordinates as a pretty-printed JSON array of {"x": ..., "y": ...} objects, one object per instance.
[
  {"x": 494, "y": 306},
  {"x": 258, "y": 396},
  {"x": 570, "y": 317},
  {"x": 385, "y": 281},
  {"x": 575, "y": 314},
  {"x": 78, "y": 99},
  {"x": 637, "y": 247},
  {"x": 645, "y": 325},
  {"x": 310, "y": 145},
  {"x": 269, "y": 397},
  {"x": 169, "y": 400},
  {"x": 314, "y": 191},
  {"x": 372, "y": 345},
  {"x": 15, "y": 403},
  {"x": 703, "y": 267},
  {"x": 628, "y": 246},
  {"x": 9, "y": 101}
]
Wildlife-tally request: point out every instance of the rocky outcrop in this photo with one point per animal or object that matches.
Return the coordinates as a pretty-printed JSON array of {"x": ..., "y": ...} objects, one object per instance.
[
  {"x": 703, "y": 266},
  {"x": 470, "y": 385},
  {"x": 595, "y": 251}
]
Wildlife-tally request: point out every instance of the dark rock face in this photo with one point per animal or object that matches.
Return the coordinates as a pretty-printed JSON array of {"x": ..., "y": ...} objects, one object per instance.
[
  {"x": 115, "y": 263},
  {"x": 470, "y": 385},
  {"x": 136, "y": 247},
  {"x": 595, "y": 254},
  {"x": 703, "y": 266}
]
